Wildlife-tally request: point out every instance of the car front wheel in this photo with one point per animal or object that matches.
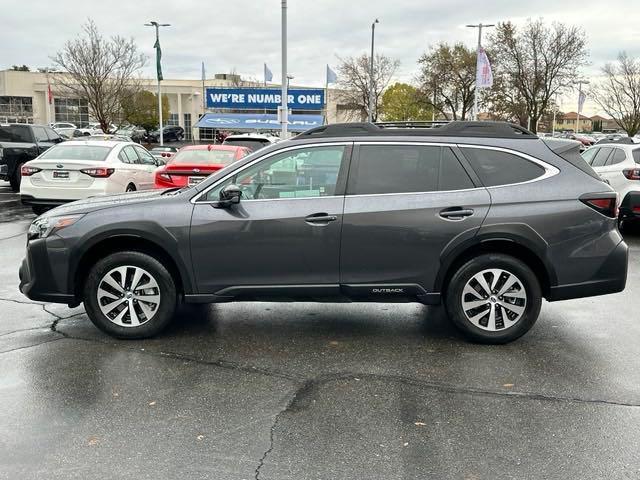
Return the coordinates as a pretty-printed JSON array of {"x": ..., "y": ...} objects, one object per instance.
[
  {"x": 494, "y": 298},
  {"x": 130, "y": 295}
]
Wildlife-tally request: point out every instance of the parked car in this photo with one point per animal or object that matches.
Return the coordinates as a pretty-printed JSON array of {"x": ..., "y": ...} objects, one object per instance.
[
  {"x": 107, "y": 136},
  {"x": 254, "y": 141},
  {"x": 91, "y": 129},
  {"x": 194, "y": 163},
  {"x": 69, "y": 133},
  {"x": 481, "y": 216},
  {"x": 20, "y": 143},
  {"x": 79, "y": 169},
  {"x": 60, "y": 125},
  {"x": 136, "y": 134},
  {"x": 169, "y": 133},
  {"x": 163, "y": 153},
  {"x": 618, "y": 163}
]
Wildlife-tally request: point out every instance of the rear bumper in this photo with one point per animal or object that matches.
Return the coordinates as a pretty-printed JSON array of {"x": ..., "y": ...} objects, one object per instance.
[
  {"x": 49, "y": 202},
  {"x": 40, "y": 280},
  {"x": 4, "y": 171},
  {"x": 610, "y": 278}
]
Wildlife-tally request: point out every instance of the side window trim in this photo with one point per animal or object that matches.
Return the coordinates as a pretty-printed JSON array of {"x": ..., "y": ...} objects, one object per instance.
[
  {"x": 549, "y": 169},
  {"x": 200, "y": 197}
]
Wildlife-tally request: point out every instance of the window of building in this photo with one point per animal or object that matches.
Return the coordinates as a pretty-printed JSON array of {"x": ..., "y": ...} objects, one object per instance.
[
  {"x": 73, "y": 110},
  {"x": 207, "y": 133},
  {"x": 187, "y": 126},
  {"x": 16, "y": 109},
  {"x": 173, "y": 120},
  {"x": 495, "y": 167}
]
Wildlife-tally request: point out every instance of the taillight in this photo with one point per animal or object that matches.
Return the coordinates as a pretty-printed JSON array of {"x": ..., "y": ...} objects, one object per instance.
[
  {"x": 98, "y": 172},
  {"x": 604, "y": 203},
  {"x": 26, "y": 171},
  {"x": 632, "y": 173}
]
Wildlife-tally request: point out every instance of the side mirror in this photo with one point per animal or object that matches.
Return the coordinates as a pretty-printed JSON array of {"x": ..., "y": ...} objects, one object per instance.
[{"x": 229, "y": 195}]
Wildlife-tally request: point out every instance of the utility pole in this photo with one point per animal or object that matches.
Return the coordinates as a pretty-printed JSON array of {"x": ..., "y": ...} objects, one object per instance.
[
  {"x": 159, "y": 71},
  {"x": 479, "y": 26},
  {"x": 284, "y": 108},
  {"x": 371, "y": 90}
]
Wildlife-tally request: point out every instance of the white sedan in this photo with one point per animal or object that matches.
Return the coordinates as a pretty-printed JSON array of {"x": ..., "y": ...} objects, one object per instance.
[{"x": 79, "y": 169}]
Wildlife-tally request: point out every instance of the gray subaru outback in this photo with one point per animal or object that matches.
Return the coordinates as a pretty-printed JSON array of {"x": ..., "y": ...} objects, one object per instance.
[{"x": 485, "y": 218}]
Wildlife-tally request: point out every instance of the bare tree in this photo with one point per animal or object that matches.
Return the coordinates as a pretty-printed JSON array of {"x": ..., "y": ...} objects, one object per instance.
[
  {"x": 101, "y": 71},
  {"x": 354, "y": 80},
  {"x": 447, "y": 79},
  {"x": 619, "y": 92},
  {"x": 535, "y": 61}
]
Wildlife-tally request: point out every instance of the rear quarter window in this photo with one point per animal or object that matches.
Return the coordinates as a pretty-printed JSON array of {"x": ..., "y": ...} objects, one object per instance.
[
  {"x": 636, "y": 155},
  {"x": 495, "y": 167}
]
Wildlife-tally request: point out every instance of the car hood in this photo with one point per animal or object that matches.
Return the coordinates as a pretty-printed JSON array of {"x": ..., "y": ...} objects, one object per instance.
[{"x": 92, "y": 204}]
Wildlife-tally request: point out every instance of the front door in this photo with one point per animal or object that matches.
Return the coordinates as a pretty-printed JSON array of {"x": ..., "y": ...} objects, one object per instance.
[
  {"x": 404, "y": 204},
  {"x": 284, "y": 235}
]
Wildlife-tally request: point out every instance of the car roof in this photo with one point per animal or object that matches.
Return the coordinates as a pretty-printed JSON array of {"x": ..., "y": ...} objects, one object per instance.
[{"x": 98, "y": 143}]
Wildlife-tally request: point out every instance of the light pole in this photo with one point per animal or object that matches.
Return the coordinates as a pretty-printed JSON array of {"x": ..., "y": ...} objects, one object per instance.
[
  {"x": 373, "y": 36},
  {"x": 579, "y": 83},
  {"x": 158, "y": 57},
  {"x": 479, "y": 26},
  {"x": 284, "y": 108}
]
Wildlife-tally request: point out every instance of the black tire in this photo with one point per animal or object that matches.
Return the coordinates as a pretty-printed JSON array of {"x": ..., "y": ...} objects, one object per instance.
[
  {"x": 130, "y": 188},
  {"x": 16, "y": 178},
  {"x": 39, "y": 209},
  {"x": 511, "y": 265},
  {"x": 166, "y": 286}
]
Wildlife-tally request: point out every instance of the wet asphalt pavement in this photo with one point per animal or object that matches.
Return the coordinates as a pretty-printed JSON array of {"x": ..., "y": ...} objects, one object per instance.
[{"x": 316, "y": 391}]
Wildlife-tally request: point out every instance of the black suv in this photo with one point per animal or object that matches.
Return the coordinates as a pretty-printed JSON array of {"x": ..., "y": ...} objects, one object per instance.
[{"x": 484, "y": 217}]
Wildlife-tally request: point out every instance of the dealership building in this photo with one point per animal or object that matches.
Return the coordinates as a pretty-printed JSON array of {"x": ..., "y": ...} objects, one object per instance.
[{"x": 224, "y": 102}]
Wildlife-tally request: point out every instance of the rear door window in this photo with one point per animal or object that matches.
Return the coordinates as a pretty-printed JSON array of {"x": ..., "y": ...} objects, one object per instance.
[
  {"x": 601, "y": 157},
  {"x": 495, "y": 167},
  {"x": 131, "y": 155},
  {"x": 40, "y": 134}
]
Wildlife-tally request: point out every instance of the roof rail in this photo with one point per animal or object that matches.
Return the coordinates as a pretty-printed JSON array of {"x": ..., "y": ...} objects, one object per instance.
[
  {"x": 451, "y": 129},
  {"x": 413, "y": 124}
]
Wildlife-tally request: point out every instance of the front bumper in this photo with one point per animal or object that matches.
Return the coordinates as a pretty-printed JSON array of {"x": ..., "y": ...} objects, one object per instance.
[
  {"x": 610, "y": 278},
  {"x": 43, "y": 276}
]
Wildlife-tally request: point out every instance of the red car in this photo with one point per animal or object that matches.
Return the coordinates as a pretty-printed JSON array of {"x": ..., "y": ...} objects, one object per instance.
[{"x": 194, "y": 163}]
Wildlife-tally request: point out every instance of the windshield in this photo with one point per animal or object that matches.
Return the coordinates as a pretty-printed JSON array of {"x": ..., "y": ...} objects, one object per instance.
[
  {"x": 15, "y": 133},
  {"x": 252, "y": 143},
  {"x": 77, "y": 152},
  {"x": 204, "y": 157}
]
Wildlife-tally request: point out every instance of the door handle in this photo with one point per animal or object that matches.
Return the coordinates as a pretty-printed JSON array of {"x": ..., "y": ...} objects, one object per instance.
[
  {"x": 456, "y": 213},
  {"x": 320, "y": 218}
]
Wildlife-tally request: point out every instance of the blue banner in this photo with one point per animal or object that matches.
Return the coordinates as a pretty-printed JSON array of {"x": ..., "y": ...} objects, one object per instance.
[
  {"x": 261, "y": 98},
  {"x": 257, "y": 121}
]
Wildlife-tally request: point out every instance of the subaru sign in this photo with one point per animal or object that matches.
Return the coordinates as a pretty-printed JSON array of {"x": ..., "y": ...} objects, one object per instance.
[{"x": 264, "y": 98}]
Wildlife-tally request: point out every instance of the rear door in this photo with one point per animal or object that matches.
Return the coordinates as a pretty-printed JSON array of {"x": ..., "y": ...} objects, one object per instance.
[
  {"x": 404, "y": 204},
  {"x": 130, "y": 169},
  {"x": 147, "y": 168}
]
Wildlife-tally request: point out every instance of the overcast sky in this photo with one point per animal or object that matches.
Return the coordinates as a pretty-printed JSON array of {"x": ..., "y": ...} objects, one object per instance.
[{"x": 242, "y": 34}]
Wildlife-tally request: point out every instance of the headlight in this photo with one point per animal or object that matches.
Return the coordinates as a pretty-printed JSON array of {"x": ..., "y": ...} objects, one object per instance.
[{"x": 42, "y": 227}]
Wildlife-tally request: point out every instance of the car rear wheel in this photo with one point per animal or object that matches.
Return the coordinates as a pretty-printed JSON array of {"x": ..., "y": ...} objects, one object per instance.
[
  {"x": 130, "y": 295},
  {"x": 130, "y": 188},
  {"x": 494, "y": 298}
]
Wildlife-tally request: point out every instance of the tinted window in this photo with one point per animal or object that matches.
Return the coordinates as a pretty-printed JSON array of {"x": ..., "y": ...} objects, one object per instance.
[
  {"x": 53, "y": 136},
  {"x": 501, "y": 168},
  {"x": 395, "y": 169},
  {"x": 252, "y": 144},
  {"x": 617, "y": 157},
  {"x": 601, "y": 157},
  {"x": 636, "y": 155},
  {"x": 40, "y": 134},
  {"x": 15, "y": 133},
  {"x": 589, "y": 154},
  {"x": 305, "y": 172},
  {"x": 76, "y": 152},
  {"x": 452, "y": 175}
]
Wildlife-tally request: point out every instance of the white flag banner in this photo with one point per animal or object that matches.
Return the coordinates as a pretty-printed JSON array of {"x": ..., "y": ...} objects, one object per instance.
[
  {"x": 484, "y": 76},
  {"x": 581, "y": 99}
]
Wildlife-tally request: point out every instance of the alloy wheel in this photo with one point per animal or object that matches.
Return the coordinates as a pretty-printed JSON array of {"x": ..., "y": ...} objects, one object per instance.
[
  {"x": 494, "y": 300},
  {"x": 128, "y": 296}
]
